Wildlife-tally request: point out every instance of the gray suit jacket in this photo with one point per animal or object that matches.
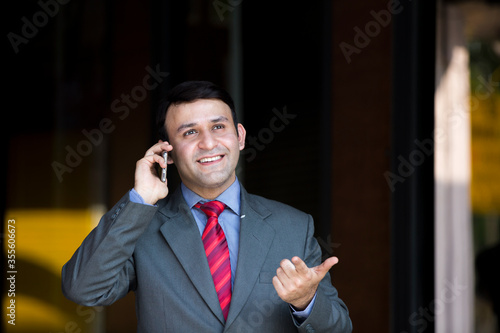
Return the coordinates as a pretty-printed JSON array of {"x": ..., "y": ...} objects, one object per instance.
[{"x": 157, "y": 252}]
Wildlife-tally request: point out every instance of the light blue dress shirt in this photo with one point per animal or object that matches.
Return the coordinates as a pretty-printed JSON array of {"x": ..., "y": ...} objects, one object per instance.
[{"x": 229, "y": 221}]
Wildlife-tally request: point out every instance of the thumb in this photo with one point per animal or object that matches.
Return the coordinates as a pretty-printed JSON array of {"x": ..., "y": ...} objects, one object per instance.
[{"x": 322, "y": 269}]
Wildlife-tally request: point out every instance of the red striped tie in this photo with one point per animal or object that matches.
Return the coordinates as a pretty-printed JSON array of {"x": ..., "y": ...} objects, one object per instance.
[{"x": 217, "y": 252}]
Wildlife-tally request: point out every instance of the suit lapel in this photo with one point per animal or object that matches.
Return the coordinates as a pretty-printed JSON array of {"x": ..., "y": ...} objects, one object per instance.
[
  {"x": 183, "y": 237},
  {"x": 256, "y": 237}
]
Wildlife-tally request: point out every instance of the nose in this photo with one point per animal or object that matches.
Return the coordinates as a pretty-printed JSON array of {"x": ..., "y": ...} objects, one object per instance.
[{"x": 207, "y": 141}]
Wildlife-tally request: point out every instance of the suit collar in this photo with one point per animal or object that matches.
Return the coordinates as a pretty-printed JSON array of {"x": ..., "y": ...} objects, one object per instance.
[
  {"x": 250, "y": 205},
  {"x": 173, "y": 204}
]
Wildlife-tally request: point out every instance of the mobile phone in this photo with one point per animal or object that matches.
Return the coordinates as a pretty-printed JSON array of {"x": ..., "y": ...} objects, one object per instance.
[{"x": 164, "y": 170}]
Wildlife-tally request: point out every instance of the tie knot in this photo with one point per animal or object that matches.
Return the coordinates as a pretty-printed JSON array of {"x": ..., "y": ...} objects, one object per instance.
[{"x": 211, "y": 208}]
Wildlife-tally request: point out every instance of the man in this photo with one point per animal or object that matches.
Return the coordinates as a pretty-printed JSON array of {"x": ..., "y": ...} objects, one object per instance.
[{"x": 208, "y": 257}]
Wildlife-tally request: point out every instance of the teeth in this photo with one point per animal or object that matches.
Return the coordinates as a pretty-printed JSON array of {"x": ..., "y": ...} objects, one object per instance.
[{"x": 210, "y": 159}]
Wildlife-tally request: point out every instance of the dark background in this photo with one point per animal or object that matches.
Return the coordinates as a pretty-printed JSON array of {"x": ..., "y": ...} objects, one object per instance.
[{"x": 352, "y": 118}]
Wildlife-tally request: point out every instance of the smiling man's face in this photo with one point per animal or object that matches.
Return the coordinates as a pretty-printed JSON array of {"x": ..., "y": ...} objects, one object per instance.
[{"x": 206, "y": 145}]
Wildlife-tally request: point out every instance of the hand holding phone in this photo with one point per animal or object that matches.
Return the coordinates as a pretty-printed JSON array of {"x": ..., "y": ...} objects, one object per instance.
[{"x": 149, "y": 181}]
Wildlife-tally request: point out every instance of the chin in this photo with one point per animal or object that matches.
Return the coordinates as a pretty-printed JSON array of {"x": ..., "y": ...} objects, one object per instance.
[{"x": 218, "y": 180}]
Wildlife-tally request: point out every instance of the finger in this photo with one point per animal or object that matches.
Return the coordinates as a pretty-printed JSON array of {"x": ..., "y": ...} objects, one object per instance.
[
  {"x": 152, "y": 159},
  {"x": 158, "y": 148},
  {"x": 288, "y": 268},
  {"x": 161, "y": 161},
  {"x": 278, "y": 285},
  {"x": 282, "y": 276},
  {"x": 322, "y": 269},
  {"x": 300, "y": 265}
]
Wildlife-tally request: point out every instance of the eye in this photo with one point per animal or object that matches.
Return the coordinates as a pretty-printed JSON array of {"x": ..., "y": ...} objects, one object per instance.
[
  {"x": 219, "y": 126},
  {"x": 190, "y": 132}
]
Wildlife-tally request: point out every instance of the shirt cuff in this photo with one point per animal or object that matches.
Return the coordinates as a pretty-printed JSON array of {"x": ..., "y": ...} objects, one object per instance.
[
  {"x": 137, "y": 198},
  {"x": 300, "y": 316}
]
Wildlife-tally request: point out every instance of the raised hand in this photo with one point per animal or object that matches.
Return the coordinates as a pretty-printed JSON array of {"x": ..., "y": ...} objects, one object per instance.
[
  {"x": 147, "y": 183},
  {"x": 296, "y": 283}
]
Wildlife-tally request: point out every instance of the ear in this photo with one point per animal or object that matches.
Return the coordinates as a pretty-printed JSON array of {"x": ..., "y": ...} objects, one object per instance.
[
  {"x": 242, "y": 133},
  {"x": 170, "y": 158}
]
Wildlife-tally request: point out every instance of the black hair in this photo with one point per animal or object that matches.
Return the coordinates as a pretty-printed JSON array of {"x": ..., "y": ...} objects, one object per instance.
[{"x": 191, "y": 91}]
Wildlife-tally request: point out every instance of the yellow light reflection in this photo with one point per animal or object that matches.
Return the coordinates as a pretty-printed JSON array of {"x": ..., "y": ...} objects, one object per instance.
[
  {"x": 485, "y": 143},
  {"x": 44, "y": 241}
]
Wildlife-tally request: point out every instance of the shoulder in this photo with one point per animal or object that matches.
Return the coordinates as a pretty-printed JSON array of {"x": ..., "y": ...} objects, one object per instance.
[{"x": 291, "y": 225}]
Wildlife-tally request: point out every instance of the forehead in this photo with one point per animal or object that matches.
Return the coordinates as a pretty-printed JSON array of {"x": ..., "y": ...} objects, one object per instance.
[{"x": 198, "y": 110}]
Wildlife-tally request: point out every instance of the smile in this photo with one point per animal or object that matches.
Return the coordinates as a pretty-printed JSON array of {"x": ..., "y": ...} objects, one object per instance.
[{"x": 210, "y": 159}]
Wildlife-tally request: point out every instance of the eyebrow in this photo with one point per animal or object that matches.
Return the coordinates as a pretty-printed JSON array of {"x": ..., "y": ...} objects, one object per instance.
[{"x": 189, "y": 125}]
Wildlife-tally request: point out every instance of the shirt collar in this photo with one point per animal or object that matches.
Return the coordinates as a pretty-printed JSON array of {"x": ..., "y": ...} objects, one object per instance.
[{"x": 230, "y": 197}]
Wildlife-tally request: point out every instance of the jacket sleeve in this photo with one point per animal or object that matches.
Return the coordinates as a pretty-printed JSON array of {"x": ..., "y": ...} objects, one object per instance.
[
  {"x": 102, "y": 270},
  {"x": 329, "y": 312}
]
